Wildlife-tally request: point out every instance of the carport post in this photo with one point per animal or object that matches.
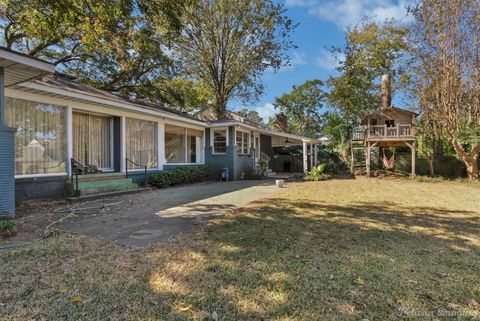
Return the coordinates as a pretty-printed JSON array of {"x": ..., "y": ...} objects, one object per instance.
[
  {"x": 316, "y": 154},
  {"x": 305, "y": 161},
  {"x": 311, "y": 155}
]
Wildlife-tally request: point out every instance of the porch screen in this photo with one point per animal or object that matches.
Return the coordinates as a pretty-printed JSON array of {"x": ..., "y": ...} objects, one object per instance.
[
  {"x": 40, "y": 141},
  {"x": 175, "y": 151},
  {"x": 194, "y": 138},
  {"x": 142, "y": 146}
]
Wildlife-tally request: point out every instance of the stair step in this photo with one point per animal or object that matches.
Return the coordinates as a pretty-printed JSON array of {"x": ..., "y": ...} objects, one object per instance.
[
  {"x": 104, "y": 182},
  {"x": 99, "y": 177},
  {"x": 106, "y": 189},
  {"x": 108, "y": 194}
]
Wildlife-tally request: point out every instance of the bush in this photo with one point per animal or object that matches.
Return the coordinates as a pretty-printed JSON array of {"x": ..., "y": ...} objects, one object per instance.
[
  {"x": 180, "y": 175},
  {"x": 7, "y": 228},
  {"x": 317, "y": 173}
]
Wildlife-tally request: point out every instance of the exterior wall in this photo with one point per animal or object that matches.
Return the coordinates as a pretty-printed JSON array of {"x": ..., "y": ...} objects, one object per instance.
[
  {"x": 243, "y": 165},
  {"x": 217, "y": 162},
  {"x": 7, "y": 170},
  {"x": 266, "y": 145},
  {"x": 399, "y": 117},
  {"x": 40, "y": 188}
]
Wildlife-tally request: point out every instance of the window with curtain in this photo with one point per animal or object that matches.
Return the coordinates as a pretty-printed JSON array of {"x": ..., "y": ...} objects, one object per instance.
[
  {"x": 40, "y": 141},
  {"x": 141, "y": 143},
  {"x": 194, "y": 139},
  {"x": 242, "y": 142},
  {"x": 219, "y": 141},
  {"x": 175, "y": 151}
]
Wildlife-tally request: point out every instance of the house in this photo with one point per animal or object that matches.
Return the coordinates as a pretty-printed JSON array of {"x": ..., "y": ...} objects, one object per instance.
[{"x": 50, "y": 123}]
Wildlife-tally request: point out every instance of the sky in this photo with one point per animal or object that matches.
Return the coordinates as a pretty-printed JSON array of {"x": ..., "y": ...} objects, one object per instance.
[{"x": 322, "y": 24}]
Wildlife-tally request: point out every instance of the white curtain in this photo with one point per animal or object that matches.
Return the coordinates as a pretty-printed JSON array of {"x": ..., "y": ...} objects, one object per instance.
[
  {"x": 40, "y": 141},
  {"x": 92, "y": 140},
  {"x": 142, "y": 143},
  {"x": 175, "y": 144}
]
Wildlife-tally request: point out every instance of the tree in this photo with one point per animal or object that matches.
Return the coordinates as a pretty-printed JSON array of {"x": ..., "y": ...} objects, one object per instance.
[
  {"x": 228, "y": 44},
  {"x": 447, "y": 75},
  {"x": 251, "y": 115},
  {"x": 371, "y": 50},
  {"x": 112, "y": 45},
  {"x": 302, "y": 106},
  {"x": 338, "y": 132}
]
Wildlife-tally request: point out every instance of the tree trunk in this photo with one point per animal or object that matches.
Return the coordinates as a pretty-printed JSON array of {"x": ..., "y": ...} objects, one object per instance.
[
  {"x": 431, "y": 170},
  {"x": 221, "y": 109},
  {"x": 471, "y": 161}
]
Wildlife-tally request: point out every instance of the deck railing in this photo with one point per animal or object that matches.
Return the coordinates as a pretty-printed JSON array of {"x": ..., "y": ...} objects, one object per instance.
[{"x": 385, "y": 132}]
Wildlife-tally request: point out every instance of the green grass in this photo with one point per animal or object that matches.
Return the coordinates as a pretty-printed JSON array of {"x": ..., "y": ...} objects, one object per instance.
[{"x": 333, "y": 250}]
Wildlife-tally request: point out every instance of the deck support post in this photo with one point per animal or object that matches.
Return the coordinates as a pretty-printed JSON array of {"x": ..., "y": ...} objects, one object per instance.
[
  {"x": 367, "y": 161},
  {"x": 413, "y": 159},
  {"x": 305, "y": 160}
]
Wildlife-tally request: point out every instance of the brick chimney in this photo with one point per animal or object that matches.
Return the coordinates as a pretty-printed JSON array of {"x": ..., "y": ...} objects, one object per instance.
[
  {"x": 386, "y": 92},
  {"x": 281, "y": 122}
]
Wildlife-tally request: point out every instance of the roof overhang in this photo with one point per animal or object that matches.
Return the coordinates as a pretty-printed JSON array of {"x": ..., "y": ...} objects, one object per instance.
[
  {"x": 263, "y": 131},
  {"x": 19, "y": 67},
  {"x": 44, "y": 89}
]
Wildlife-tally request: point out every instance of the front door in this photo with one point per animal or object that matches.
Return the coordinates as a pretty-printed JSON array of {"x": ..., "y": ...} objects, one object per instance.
[{"x": 92, "y": 140}]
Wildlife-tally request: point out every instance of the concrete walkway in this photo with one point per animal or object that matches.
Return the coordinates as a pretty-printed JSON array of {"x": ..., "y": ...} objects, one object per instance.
[{"x": 145, "y": 218}]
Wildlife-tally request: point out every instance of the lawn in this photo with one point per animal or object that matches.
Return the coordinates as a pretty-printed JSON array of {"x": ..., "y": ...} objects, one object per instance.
[{"x": 334, "y": 250}]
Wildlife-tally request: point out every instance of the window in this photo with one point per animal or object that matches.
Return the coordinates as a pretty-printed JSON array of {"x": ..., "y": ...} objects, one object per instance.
[
  {"x": 194, "y": 138},
  {"x": 183, "y": 145},
  {"x": 40, "y": 141},
  {"x": 242, "y": 142},
  {"x": 219, "y": 141},
  {"x": 175, "y": 144},
  {"x": 390, "y": 123},
  {"x": 141, "y": 143}
]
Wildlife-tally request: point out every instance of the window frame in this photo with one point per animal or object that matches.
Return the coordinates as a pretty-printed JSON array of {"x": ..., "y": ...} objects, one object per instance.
[
  {"x": 245, "y": 145},
  {"x": 212, "y": 139},
  {"x": 156, "y": 140}
]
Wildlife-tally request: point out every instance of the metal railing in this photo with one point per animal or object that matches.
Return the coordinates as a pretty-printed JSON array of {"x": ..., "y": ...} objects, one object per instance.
[
  {"x": 74, "y": 174},
  {"x": 145, "y": 182}
]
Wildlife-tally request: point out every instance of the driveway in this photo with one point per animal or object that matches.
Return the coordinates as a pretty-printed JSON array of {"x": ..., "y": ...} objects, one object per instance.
[{"x": 142, "y": 219}]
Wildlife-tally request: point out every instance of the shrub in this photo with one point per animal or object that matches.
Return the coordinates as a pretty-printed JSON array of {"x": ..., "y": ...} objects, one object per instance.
[
  {"x": 317, "y": 173},
  {"x": 7, "y": 228},
  {"x": 180, "y": 175}
]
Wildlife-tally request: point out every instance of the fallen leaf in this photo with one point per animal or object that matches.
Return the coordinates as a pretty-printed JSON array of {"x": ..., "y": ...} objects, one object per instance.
[
  {"x": 359, "y": 281},
  {"x": 214, "y": 315},
  {"x": 76, "y": 299},
  {"x": 473, "y": 304}
]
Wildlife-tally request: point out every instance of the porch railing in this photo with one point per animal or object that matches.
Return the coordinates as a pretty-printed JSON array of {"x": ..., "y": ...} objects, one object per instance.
[
  {"x": 383, "y": 131},
  {"x": 74, "y": 166},
  {"x": 145, "y": 178}
]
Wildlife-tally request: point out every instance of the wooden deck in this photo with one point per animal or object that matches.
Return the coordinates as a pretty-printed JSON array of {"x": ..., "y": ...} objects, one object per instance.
[{"x": 376, "y": 133}]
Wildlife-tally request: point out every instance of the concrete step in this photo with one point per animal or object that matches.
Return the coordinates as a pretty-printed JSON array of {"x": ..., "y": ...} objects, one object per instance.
[
  {"x": 106, "y": 195},
  {"x": 106, "y": 189},
  {"x": 103, "y": 182},
  {"x": 99, "y": 177},
  {"x": 271, "y": 174}
]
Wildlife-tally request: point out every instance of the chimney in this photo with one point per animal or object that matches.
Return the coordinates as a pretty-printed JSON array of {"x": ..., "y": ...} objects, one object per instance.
[
  {"x": 386, "y": 92},
  {"x": 281, "y": 122}
]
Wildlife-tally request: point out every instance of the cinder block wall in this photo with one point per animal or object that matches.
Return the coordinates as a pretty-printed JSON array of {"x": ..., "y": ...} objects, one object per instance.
[{"x": 7, "y": 171}]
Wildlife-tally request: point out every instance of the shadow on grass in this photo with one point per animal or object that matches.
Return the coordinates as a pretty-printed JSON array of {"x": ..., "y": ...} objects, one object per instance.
[{"x": 305, "y": 260}]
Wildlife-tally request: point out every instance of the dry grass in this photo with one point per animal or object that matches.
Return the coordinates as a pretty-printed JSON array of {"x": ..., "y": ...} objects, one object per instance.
[{"x": 335, "y": 250}]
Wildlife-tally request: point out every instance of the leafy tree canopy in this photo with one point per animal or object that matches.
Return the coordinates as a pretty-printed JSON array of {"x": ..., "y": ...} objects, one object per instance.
[
  {"x": 250, "y": 115},
  {"x": 302, "y": 106},
  {"x": 228, "y": 44},
  {"x": 371, "y": 50}
]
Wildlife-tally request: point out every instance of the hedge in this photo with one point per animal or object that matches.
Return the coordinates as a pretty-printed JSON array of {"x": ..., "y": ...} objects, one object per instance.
[{"x": 180, "y": 175}]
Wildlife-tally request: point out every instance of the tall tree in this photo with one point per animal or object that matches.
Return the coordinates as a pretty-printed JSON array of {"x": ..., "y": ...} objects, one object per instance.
[
  {"x": 371, "y": 50},
  {"x": 302, "y": 106},
  {"x": 228, "y": 44},
  {"x": 447, "y": 48},
  {"x": 112, "y": 45},
  {"x": 251, "y": 115}
]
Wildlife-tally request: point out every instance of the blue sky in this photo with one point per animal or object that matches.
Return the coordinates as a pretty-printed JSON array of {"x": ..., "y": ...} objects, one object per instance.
[{"x": 322, "y": 25}]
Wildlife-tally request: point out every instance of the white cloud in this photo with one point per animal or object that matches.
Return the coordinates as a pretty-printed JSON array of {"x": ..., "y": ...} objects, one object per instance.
[
  {"x": 346, "y": 13},
  {"x": 326, "y": 60},
  {"x": 298, "y": 59},
  {"x": 266, "y": 111}
]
